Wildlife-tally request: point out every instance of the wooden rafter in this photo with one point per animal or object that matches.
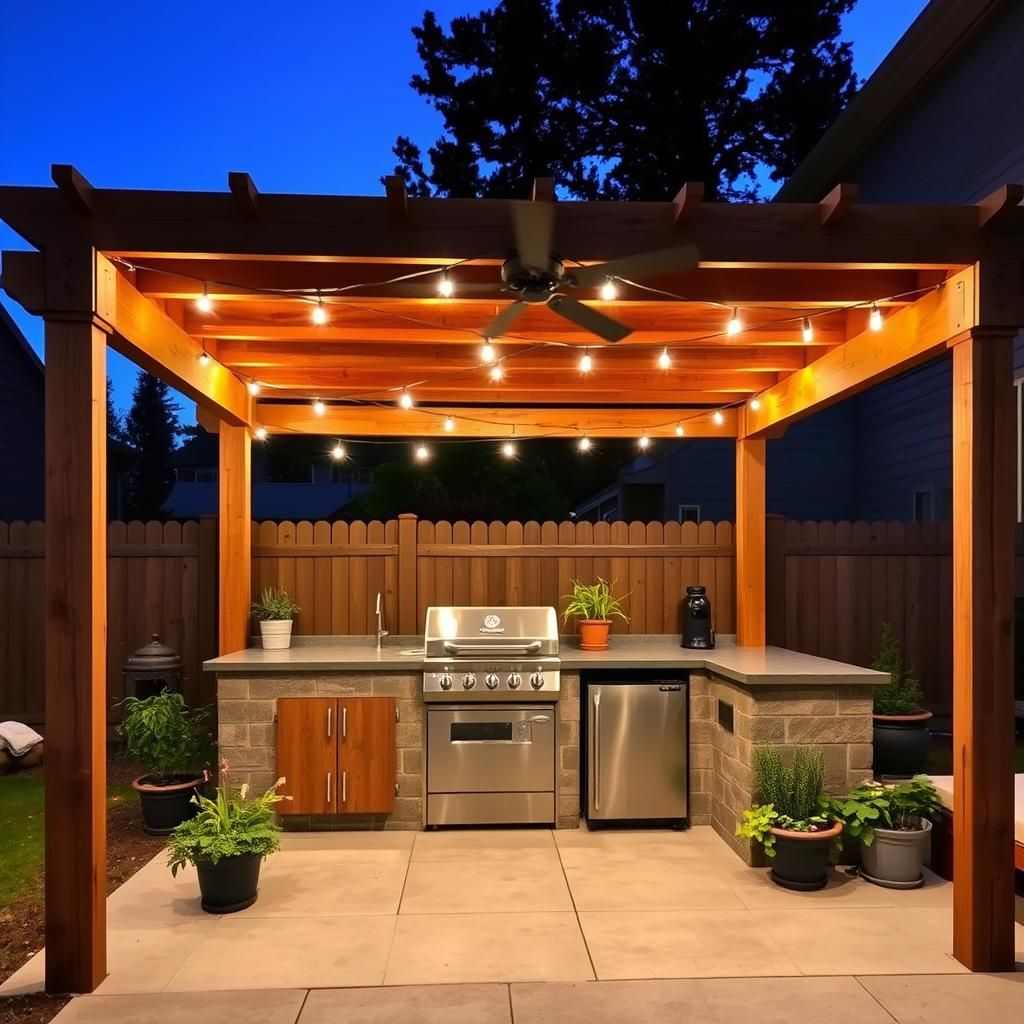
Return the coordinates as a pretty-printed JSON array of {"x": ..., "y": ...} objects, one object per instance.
[
  {"x": 836, "y": 205},
  {"x": 73, "y": 186},
  {"x": 687, "y": 199},
  {"x": 247, "y": 196},
  {"x": 999, "y": 205}
]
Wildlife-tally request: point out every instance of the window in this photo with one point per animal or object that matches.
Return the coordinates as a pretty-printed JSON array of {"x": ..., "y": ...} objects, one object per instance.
[{"x": 689, "y": 513}]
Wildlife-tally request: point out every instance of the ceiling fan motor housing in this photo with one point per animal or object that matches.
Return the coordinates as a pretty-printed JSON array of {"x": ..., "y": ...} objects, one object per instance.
[{"x": 532, "y": 285}]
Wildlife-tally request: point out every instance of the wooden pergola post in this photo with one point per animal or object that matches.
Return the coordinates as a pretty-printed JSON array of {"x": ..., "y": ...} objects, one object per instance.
[
  {"x": 235, "y": 536},
  {"x": 984, "y": 480},
  {"x": 75, "y": 654},
  {"x": 750, "y": 533}
]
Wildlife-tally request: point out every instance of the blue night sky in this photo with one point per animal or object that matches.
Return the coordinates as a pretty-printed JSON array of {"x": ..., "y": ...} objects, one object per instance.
[{"x": 306, "y": 97}]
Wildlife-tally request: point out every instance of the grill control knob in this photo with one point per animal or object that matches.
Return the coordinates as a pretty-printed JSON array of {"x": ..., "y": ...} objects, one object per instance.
[
  {"x": 446, "y": 680},
  {"x": 537, "y": 680},
  {"x": 468, "y": 681},
  {"x": 491, "y": 680},
  {"x": 515, "y": 680}
]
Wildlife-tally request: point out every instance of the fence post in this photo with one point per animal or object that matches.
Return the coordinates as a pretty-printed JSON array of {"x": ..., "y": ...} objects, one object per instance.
[
  {"x": 775, "y": 567},
  {"x": 407, "y": 573}
]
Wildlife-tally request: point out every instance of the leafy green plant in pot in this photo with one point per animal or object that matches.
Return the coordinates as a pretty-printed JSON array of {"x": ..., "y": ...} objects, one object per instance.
[
  {"x": 275, "y": 611},
  {"x": 893, "y": 825},
  {"x": 227, "y": 841},
  {"x": 594, "y": 605},
  {"x": 171, "y": 741},
  {"x": 901, "y": 738},
  {"x": 792, "y": 822}
]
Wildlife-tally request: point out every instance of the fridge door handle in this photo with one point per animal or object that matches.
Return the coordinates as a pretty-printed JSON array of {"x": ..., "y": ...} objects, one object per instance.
[{"x": 597, "y": 750}]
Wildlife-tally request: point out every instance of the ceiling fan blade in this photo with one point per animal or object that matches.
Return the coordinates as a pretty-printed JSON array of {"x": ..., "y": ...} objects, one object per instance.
[
  {"x": 589, "y": 318},
  {"x": 504, "y": 320},
  {"x": 533, "y": 224},
  {"x": 640, "y": 266}
]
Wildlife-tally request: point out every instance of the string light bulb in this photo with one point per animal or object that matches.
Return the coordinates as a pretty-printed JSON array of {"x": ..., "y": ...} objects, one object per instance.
[
  {"x": 497, "y": 372},
  {"x": 254, "y": 387},
  {"x": 260, "y": 433},
  {"x": 643, "y": 442},
  {"x": 204, "y": 359},
  {"x": 405, "y": 399},
  {"x": 204, "y": 303},
  {"x": 508, "y": 449},
  {"x": 679, "y": 430},
  {"x": 584, "y": 444},
  {"x": 735, "y": 324},
  {"x": 718, "y": 418},
  {"x": 808, "y": 330},
  {"x": 449, "y": 423},
  {"x": 338, "y": 452},
  {"x": 665, "y": 360},
  {"x": 318, "y": 407},
  {"x": 755, "y": 404},
  {"x": 319, "y": 313},
  {"x": 586, "y": 363},
  {"x": 875, "y": 318},
  {"x": 487, "y": 353},
  {"x": 445, "y": 287},
  {"x": 422, "y": 452},
  {"x": 608, "y": 290}
]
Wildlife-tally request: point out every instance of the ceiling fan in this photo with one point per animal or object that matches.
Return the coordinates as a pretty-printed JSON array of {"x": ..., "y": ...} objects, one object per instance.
[{"x": 536, "y": 275}]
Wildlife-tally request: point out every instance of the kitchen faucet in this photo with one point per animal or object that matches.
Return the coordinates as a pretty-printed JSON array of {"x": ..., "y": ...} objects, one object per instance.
[{"x": 381, "y": 631}]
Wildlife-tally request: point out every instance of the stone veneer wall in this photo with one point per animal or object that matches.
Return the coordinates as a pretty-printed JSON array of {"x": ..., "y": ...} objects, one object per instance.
[{"x": 835, "y": 718}]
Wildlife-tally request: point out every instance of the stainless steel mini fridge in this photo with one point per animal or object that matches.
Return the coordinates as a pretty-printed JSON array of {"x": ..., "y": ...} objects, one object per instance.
[{"x": 637, "y": 760}]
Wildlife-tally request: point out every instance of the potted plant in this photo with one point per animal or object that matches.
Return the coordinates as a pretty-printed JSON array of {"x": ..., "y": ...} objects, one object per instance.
[
  {"x": 275, "y": 611},
  {"x": 893, "y": 824},
  {"x": 227, "y": 841},
  {"x": 593, "y": 605},
  {"x": 901, "y": 737},
  {"x": 792, "y": 822},
  {"x": 170, "y": 740}
]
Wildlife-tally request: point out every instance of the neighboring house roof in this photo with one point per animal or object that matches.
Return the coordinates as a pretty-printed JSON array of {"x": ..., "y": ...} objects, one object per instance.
[
  {"x": 940, "y": 35},
  {"x": 9, "y": 329}
]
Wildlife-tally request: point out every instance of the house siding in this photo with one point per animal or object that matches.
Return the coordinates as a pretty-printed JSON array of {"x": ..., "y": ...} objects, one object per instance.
[{"x": 21, "y": 428}]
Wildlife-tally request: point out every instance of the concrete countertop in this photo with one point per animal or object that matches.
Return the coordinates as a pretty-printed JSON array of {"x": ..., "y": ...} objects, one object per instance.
[{"x": 752, "y": 666}]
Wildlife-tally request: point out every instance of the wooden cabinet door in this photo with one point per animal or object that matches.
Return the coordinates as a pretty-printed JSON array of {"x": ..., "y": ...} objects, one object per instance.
[
  {"x": 307, "y": 754},
  {"x": 366, "y": 760}
]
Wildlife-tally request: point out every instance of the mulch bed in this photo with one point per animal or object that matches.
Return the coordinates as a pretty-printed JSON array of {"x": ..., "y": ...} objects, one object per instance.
[{"x": 22, "y": 923}]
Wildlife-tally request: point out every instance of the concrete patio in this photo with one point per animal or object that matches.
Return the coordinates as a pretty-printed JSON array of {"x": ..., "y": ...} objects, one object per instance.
[{"x": 493, "y": 918}]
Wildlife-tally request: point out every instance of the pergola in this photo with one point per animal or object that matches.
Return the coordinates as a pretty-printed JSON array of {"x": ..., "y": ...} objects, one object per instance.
[{"x": 126, "y": 268}]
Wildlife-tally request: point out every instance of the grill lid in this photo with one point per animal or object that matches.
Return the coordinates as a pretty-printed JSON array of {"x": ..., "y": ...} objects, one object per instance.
[{"x": 466, "y": 632}]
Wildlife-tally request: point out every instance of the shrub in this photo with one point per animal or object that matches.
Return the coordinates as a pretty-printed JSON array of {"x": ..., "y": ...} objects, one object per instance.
[
  {"x": 165, "y": 736},
  {"x": 872, "y": 805},
  {"x": 902, "y": 695},
  {"x": 275, "y": 606},
  {"x": 594, "y": 601}
]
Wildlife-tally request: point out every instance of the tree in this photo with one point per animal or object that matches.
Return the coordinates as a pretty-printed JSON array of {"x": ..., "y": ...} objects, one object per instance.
[
  {"x": 151, "y": 428},
  {"x": 627, "y": 100},
  {"x": 115, "y": 425}
]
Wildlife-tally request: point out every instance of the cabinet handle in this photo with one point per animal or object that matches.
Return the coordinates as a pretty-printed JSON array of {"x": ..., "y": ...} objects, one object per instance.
[
  {"x": 597, "y": 750},
  {"x": 344, "y": 787},
  {"x": 344, "y": 721},
  {"x": 329, "y": 711},
  {"x": 328, "y": 789}
]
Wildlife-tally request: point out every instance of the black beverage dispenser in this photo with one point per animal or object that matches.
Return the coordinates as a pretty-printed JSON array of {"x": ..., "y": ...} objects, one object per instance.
[{"x": 697, "y": 629}]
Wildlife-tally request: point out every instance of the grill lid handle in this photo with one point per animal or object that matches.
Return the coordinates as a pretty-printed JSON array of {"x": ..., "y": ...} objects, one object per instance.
[{"x": 528, "y": 648}]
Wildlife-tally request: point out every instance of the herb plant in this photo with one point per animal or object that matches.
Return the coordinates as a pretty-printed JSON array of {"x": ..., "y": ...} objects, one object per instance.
[
  {"x": 902, "y": 695},
  {"x": 275, "y": 605},
  {"x": 230, "y": 825},
  {"x": 872, "y": 805},
  {"x": 594, "y": 601},
  {"x": 165, "y": 735},
  {"x": 792, "y": 796}
]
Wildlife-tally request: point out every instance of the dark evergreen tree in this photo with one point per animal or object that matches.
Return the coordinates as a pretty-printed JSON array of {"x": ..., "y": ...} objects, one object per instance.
[
  {"x": 151, "y": 428},
  {"x": 115, "y": 425},
  {"x": 627, "y": 100}
]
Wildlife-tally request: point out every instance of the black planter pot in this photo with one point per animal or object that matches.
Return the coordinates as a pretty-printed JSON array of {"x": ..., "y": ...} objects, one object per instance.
[
  {"x": 164, "y": 808},
  {"x": 801, "y": 858},
  {"x": 901, "y": 745},
  {"x": 230, "y": 885}
]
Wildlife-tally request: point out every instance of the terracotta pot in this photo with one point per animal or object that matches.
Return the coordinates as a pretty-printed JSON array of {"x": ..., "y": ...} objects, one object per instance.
[
  {"x": 801, "y": 858},
  {"x": 594, "y": 634},
  {"x": 901, "y": 744},
  {"x": 276, "y": 634}
]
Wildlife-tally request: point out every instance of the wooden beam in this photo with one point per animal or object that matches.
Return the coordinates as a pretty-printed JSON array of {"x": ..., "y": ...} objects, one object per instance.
[
  {"x": 984, "y": 424},
  {"x": 349, "y": 421},
  {"x": 235, "y": 536},
  {"x": 73, "y": 186},
  {"x": 836, "y": 205},
  {"x": 75, "y": 642},
  {"x": 999, "y": 205},
  {"x": 543, "y": 190},
  {"x": 247, "y": 196},
  {"x": 750, "y": 540},
  {"x": 687, "y": 199},
  {"x": 910, "y": 336},
  {"x": 398, "y": 199}
]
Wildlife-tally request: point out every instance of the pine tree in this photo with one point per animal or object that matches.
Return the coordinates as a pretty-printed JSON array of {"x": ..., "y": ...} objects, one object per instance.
[{"x": 151, "y": 428}]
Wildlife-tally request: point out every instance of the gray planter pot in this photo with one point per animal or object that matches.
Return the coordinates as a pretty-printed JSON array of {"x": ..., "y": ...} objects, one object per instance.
[{"x": 894, "y": 859}]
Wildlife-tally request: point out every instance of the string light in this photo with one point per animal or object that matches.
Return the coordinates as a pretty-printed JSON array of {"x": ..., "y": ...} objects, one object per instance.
[
  {"x": 497, "y": 372},
  {"x": 260, "y": 433},
  {"x": 644, "y": 442},
  {"x": 449, "y": 423},
  {"x": 584, "y": 444},
  {"x": 679, "y": 430},
  {"x": 508, "y": 449},
  {"x": 204, "y": 303},
  {"x": 318, "y": 407},
  {"x": 875, "y": 318},
  {"x": 254, "y": 387},
  {"x": 405, "y": 399},
  {"x": 319, "y": 313},
  {"x": 422, "y": 452},
  {"x": 204, "y": 359},
  {"x": 664, "y": 360},
  {"x": 586, "y": 363},
  {"x": 808, "y": 330},
  {"x": 608, "y": 290},
  {"x": 445, "y": 287},
  {"x": 735, "y": 323},
  {"x": 487, "y": 352},
  {"x": 755, "y": 404},
  {"x": 718, "y": 418},
  {"x": 338, "y": 452}
]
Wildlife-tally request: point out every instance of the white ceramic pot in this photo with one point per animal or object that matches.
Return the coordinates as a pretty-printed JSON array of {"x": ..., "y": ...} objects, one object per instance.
[{"x": 276, "y": 634}]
